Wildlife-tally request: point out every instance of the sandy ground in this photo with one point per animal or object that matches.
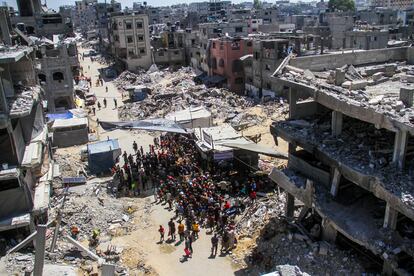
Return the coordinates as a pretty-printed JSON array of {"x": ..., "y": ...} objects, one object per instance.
[{"x": 141, "y": 249}]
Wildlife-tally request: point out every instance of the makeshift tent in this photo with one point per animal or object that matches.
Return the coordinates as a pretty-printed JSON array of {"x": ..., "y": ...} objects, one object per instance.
[
  {"x": 211, "y": 144},
  {"x": 150, "y": 125},
  {"x": 102, "y": 155}
]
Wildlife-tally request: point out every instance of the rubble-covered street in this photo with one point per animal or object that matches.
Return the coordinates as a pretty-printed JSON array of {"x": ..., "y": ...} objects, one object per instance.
[
  {"x": 210, "y": 138},
  {"x": 128, "y": 226}
]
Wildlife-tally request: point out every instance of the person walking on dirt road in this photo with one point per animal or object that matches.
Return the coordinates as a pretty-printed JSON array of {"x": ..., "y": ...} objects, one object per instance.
[
  {"x": 214, "y": 245},
  {"x": 104, "y": 102},
  {"x": 162, "y": 232}
]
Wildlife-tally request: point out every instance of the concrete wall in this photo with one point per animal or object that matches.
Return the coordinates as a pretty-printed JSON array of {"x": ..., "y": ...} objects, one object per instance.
[
  {"x": 70, "y": 137},
  {"x": 169, "y": 56},
  {"x": 410, "y": 55},
  {"x": 332, "y": 61}
]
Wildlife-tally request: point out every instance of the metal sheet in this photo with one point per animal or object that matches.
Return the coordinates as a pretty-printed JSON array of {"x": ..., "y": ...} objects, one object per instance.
[
  {"x": 150, "y": 125},
  {"x": 257, "y": 148}
]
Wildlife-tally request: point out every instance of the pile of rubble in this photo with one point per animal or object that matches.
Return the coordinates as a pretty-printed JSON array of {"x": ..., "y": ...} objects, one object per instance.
[
  {"x": 360, "y": 86},
  {"x": 90, "y": 207},
  {"x": 267, "y": 240},
  {"x": 69, "y": 161},
  {"x": 361, "y": 147},
  {"x": 23, "y": 100},
  {"x": 104, "y": 59},
  {"x": 174, "y": 91}
]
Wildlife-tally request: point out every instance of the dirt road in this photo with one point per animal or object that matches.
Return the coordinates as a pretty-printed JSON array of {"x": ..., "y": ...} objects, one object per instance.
[{"x": 141, "y": 249}]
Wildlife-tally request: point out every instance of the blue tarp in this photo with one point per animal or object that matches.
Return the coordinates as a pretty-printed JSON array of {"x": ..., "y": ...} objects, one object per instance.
[
  {"x": 102, "y": 155},
  {"x": 54, "y": 116}
]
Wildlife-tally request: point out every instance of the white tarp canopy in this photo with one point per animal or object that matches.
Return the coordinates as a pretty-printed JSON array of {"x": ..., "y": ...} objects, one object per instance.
[
  {"x": 219, "y": 136},
  {"x": 192, "y": 117}
]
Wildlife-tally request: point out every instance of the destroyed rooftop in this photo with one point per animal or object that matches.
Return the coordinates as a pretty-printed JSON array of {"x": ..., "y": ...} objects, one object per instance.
[
  {"x": 10, "y": 54},
  {"x": 21, "y": 103},
  {"x": 373, "y": 88}
]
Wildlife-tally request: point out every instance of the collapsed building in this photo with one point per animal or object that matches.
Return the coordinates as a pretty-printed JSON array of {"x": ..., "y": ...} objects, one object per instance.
[
  {"x": 24, "y": 186},
  {"x": 350, "y": 133}
]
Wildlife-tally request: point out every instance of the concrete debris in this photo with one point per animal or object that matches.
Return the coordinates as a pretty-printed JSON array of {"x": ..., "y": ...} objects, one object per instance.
[
  {"x": 174, "y": 91},
  {"x": 289, "y": 270},
  {"x": 267, "y": 242},
  {"x": 69, "y": 161},
  {"x": 22, "y": 102},
  {"x": 84, "y": 209},
  {"x": 390, "y": 81},
  {"x": 361, "y": 147}
]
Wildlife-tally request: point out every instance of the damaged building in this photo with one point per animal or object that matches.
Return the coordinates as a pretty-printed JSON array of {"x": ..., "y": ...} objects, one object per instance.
[
  {"x": 35, "y": 19},
  {"x": 59, "y": 64},
  {"x": 24, "y": 157},
  {"x": 267, "y": 55},
  {"x": 350, "y": 133}
]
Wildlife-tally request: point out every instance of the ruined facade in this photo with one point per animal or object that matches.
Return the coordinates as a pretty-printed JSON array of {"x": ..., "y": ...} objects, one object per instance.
[
  {"x": 32, "y": 19},
  {"x": 58, "y": 66},
  {"x": 350, "y": 135},
  {"x": 258, "y": 69},
  {"x": 23, "y": 141}
]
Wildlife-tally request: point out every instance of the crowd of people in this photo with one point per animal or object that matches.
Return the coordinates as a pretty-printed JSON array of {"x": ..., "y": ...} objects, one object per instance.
[{"x": 201, "y": 199}]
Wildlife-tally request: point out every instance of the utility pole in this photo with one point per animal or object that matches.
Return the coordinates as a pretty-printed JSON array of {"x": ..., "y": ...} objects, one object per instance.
[{"x": 40, "y": 250}]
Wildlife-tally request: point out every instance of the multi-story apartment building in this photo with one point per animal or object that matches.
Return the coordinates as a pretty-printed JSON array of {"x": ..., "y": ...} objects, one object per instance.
[
  {"x": 130, "y": 41},
  {"x": 224, "y": 60},
  {"x": 394, "y": 4},
  {"x": 209, "y": 8},
  {"x": 103, "y": 12},
  {"x": 85, "y": 15},
  {"x": 237, "y": 28},
  {"x": 339, "y": 24},
  {"x": 56, "y": 65}
]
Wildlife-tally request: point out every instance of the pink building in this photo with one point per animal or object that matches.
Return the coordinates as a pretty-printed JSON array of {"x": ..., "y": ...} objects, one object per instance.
[{"x": 224, "y": 61}]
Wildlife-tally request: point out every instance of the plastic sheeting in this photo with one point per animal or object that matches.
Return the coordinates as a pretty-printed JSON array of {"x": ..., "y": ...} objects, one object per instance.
[
  {"x": 54, "y": 116},
  {"x": 150, "y": 125}
]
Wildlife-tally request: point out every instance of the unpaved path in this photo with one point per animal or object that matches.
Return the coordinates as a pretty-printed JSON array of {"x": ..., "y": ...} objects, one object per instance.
[
  {"x": 164, "y": 258},
  {"x": 141, "y": 252}
]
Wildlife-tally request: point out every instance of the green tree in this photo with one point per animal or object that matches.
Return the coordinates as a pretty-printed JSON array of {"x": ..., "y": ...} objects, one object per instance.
[
  {"x": 341, "y": 5},
  {"x": 257, "y": 4}
]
